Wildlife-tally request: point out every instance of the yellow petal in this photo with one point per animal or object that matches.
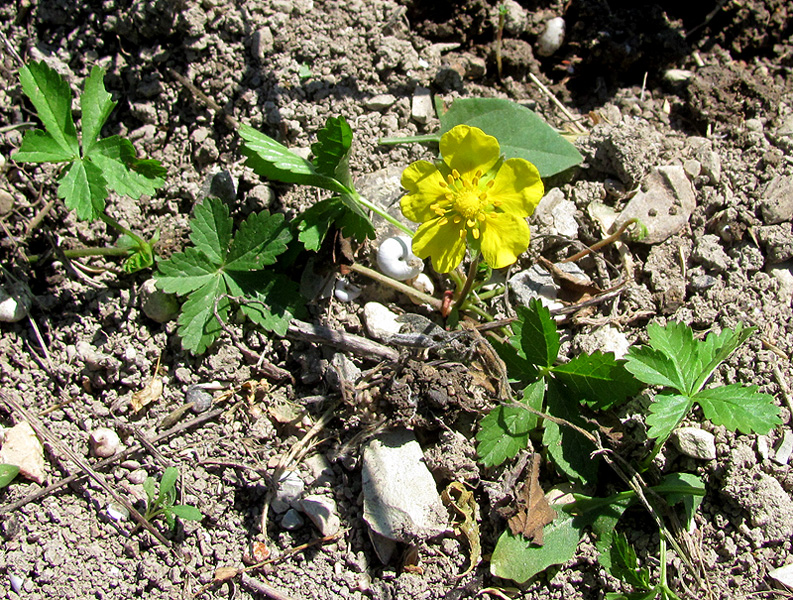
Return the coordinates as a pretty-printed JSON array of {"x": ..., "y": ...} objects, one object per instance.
[
  {"x": 441, "y": 242},
  {"x": 423, "y": 182},
  {"x": 469, "y": 149},
  {"x": 504, "y": 237},
  {"x": 517, "y": 187}
]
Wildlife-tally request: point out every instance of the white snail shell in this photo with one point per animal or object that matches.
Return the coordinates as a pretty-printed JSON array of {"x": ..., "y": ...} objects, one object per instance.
[
  {"x": 104, "y": 442},
  {"x": 346, "y": 291},
  {"x": 396, "y": 259}
]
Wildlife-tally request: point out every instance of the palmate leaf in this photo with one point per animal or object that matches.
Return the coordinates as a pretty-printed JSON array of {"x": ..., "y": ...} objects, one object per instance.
[
  {"x": 535, "y": 335},
  {"x": 653, "y": 367},
  {"x": 221, "y": 265},
  {"x": 501, "y": 436},
  {"x": 598, "y": 379},
  {"x": 521, "y": 133},
  {"x": 39, "y": 146},
  {"x": 96, "y": 105},
  {"x": 739, "y": 408},
  {"x": 666, "y": 413},
  {"x": 717, "y": 348},
  {"x": 125, "y": 173}
]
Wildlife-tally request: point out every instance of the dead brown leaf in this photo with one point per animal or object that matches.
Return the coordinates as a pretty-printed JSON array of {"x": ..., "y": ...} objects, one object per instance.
[
  {"x": 150, "y": 392},
  {"x": 535, "y": 512}
]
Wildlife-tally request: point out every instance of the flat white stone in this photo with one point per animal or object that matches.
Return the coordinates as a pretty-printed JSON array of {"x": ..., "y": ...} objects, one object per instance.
[
  {"x": 323, "y": 513},
  {"x": 783, "y": 575},
  {"x": 381, "y": 323},
  {"x": 421, "y": 109},
  {"x": 695, "y": 442},
  {"x": 400, "y": 500}
]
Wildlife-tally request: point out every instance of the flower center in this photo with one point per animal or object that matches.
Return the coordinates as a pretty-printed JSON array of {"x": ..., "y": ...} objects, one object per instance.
[{"x": 469, "y": 202}]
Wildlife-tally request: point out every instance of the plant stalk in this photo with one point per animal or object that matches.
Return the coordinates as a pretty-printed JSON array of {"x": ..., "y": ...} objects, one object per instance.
[
  {"x": 379, "y": 211},
  {"x": 397, "y": 285}
]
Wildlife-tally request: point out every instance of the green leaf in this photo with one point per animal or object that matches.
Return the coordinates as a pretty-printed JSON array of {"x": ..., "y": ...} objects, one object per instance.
[
  {"x": 717, "y": 348},
  {"x": 116, "y": 157},
  {"x": 495, "y": 441},
  {"x": 7, "y": 474},
  {"x": 516, "y": 558},
  {"x": 169, "y": 517},
  {"x": 518, "y": 368},
  {"x": 211, "y": 229},
  {"x": 168, "y": 481},
  {"x": 624, "y": 565},
  {"x": 739, "y": 408},
  {"x": 198, "y": 326},
  {"x": 274, "y": 161},
  {"x": 676, "y": 341},
  {"x": 315, "y": 222},
  {"x": 685, "y": 488},
  {"x": 96, "y": 105},
  {"x": 653, "y": 367},
  {"x": 52, "y": 98},
  {"x": 666, "y": 413},
  {"x": 535, "y": 334},
  {"x": 185, "y": 272},
  {"x": 569, "y": 450},
  {"x": 332, "y": 148},
  {"x": 257, "y": 242},
  {"x": 598, "y": 379},
  {"x": 84, "y": 190},
  {"x": 521, "y": 133},
  {"x": 39, "y": 146},
  {"x": 271, "y": 301},
  {"x": 187, "y": 512},
  {"x": 355, "y": 222},
  {"x": 151, "y": 492}
]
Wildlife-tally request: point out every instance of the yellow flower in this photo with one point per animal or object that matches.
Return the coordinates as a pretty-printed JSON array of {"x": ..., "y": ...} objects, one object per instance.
[{"x": 471, "y": 195}]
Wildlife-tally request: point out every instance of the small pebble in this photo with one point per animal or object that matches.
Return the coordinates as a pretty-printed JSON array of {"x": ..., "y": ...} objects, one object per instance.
[
  {"x": 16, "y": 582},
  {"x": 156, "y": 304},
  {"x": 784, "y": 449},
  {"x": 552, "y": 38},
  {"x": 199, "y": 397},
  {"x": 15, "y": 301},
  {"x": 137, "y": 477},
  {"x": 290, "y": 488},
  {"x": 117, "y": 512},
  {"x": 292, "y": 520}
]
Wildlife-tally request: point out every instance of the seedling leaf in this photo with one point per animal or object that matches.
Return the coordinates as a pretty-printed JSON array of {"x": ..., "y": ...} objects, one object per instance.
[
  {"x": 652, "y": 367},
  {"x": 168, "y": 481},
  {"x": 274, "y": 161},
  {"x": 521, "y": 133},
  {"x": 258, "y": 241},
  {"x": 717, "y": 348},
  {"x": 39, "y": 146},
  {"x": 516, "y": 558},
  {"x": 187, "y": 512},
  {"x": 210, "y": 229},
  {"x": 125, "y": 173},
  {"x": 739, "y": 408},
  {"x": 597, "y": 379},
  {"x": 624, "y": 565},
  {"x": 535, "y": 336}
]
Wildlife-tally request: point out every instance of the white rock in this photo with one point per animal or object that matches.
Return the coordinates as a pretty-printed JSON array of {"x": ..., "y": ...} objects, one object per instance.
[
  {"x": 22, "y": 448},
  {"x": 663, "y": 205},
  {"x": 783, "y": 575},
  {"x": 558, "y": 214},
  {"x": 400, "y": 500},
  {"x": 552, "y": 38},
  {"x": 380, "y": 102},
  {"x": 606, "y": 339},
  {"x": 421, "y": 109},
  {"x": 678, "y": 75},
  {"x": 515, "y": 17},
  {"x": 776, "y": 202},
  {"x": 422, "y": 283},
  {"x": 381, "y": 323},
  {"x": 323, "y": 513},
  {"x": 15, "y": 301},
  {"x": 784, "y": 449},
  {"x": 117, "y": 512},
  {"x": 783, "y": 272},
  {"x": 695, "y": 442},
  {"x": 763, "y": 450},
  {"x": 16, "y": 582}
]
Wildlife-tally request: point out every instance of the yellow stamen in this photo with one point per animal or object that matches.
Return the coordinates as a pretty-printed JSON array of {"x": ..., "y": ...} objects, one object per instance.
[
  {"x": 450, "y": 179},
  {"x": 470, "y": 222},
  {"x": 455, "y": 173},
  {"x": 490, "y": 183},
  {"x": 481, "y": 217},
  {"x": 458, "y": 219},
  {"x": 462, "y": 234},
  {"x": 475, "y": 233},
  {"x": 443, "y": 184},
  {"x": 443, "y": 221}
]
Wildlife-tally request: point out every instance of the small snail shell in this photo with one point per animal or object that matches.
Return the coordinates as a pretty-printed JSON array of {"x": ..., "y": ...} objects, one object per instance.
[
  {"x": 346, "y": 291},
  {"x": 422, "y": 283},
  {"x": 104, "y": 442},
  {"x": 396, "y": 259}
]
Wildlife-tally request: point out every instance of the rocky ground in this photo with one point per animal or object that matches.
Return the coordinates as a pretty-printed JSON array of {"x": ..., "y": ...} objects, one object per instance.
[{"x": 701, "y": 89}]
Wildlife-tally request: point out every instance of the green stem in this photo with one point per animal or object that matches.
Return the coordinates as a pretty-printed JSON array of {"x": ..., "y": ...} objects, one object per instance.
[
  {"x": 397, "y": 285},
  {"x": 83, "y": 252},
  {"x": 411, "y": 139},
  {"x": 477, "y": 311},
  {"x": 469, "y": 281},
  {"x": 662, "y": 584},
  {"x": 377, "y": 210},
  {"x": 487, "y": 295},
  {"x": 118, "y": 226}
]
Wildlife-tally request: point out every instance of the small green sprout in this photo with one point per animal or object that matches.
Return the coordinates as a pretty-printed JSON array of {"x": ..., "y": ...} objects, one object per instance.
[{"x": 162, "y": 503}]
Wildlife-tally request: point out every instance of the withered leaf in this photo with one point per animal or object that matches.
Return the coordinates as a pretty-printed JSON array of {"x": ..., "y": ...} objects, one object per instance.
[
  {"x": 151, "y": 392},
  {"x": 459, "y": 498},
  {"x": 534, "y": 512}
]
